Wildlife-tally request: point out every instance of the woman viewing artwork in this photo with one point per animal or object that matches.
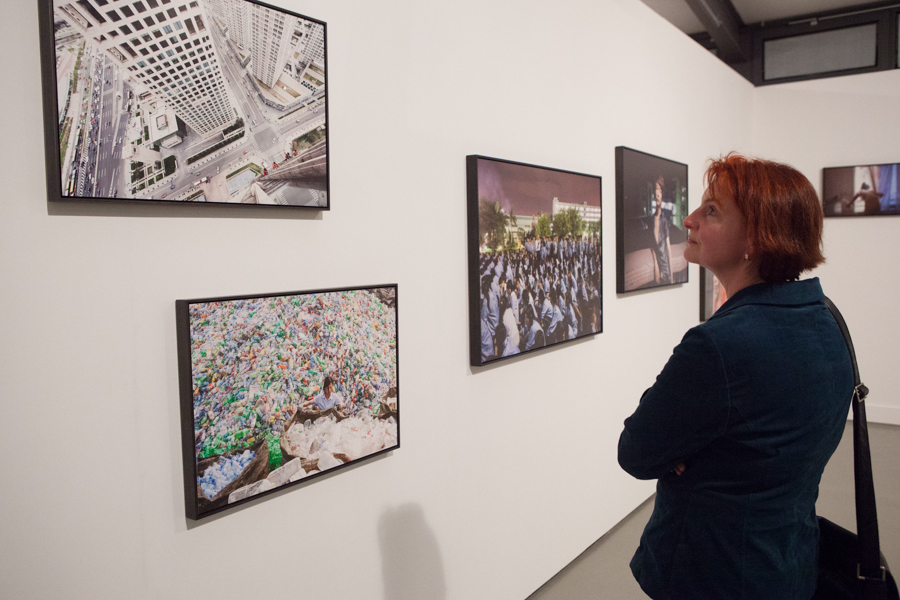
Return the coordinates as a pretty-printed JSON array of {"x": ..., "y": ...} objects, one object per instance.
[{"x": 751, "y": 405}]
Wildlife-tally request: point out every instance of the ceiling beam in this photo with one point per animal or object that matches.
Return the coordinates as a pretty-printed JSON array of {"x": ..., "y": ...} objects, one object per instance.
[{"x": 724, "y": 24}]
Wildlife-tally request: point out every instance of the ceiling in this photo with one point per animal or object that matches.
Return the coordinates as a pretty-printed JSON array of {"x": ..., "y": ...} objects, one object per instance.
[{"x": 680, "y": 15}]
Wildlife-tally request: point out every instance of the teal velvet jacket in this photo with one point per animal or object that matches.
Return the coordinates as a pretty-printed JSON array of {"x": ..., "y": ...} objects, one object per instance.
[{"x": 754, "y": 403}]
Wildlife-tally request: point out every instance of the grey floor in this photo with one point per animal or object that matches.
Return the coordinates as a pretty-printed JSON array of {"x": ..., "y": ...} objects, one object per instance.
[{"x": 602, "y": 571}]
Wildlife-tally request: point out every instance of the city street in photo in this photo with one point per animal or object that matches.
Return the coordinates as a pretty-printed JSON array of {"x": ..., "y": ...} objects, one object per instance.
[{"x": 219, "y": 101}]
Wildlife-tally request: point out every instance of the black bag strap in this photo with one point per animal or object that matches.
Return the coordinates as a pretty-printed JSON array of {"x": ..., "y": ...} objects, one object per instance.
[{"x": 869, "y": 566}]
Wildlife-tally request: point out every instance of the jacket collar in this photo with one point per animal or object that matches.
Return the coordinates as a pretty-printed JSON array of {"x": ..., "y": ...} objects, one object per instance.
[{"x": 791, "y": 293}]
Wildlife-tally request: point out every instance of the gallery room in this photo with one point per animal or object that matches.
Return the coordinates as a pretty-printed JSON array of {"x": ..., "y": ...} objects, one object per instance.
[{"x": 212, "y": 275}]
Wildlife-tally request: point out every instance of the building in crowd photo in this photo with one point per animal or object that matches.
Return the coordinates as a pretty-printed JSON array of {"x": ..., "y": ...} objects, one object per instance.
[
  {"x": 218, "y": 101},
  {"x": 536, "y": 278}
]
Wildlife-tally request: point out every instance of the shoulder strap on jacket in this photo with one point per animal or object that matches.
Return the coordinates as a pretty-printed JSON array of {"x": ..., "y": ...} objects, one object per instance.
[{"x": 866, "y": 515}]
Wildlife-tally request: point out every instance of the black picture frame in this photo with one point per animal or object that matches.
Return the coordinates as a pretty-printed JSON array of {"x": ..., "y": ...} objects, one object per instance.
[
  {"x": 861, "y": 191},
  {"x": 131, "y": 128},
  {"x": 712, "y": 294},
  {"x": 542, "y": 194},
  {"x": 248, "y": 368},
  {"x": 638, "y": 260}
]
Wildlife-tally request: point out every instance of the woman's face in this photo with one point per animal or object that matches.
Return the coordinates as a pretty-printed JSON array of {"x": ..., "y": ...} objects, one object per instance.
[
  {"x": 658, "y": 192},
  {"x": 717, "y": 233}
]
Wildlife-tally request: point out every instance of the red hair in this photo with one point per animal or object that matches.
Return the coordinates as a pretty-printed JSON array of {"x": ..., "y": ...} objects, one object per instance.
[{"x": 783, "y": 213}]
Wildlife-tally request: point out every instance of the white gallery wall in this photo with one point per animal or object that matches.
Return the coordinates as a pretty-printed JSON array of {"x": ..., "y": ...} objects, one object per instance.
[
  {"x": 840, "y": 122},
  {"x": 505, "y": 473}
]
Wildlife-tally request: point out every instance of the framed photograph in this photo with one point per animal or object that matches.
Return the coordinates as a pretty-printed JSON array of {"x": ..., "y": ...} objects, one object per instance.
[
  {"x": 278, "y": 389},
  {"x": 651, "y": 204},
  {"x": 211, "y": 101},
  {"x": 535, "y": 259},
  {"x": 712, "y": 294},
  {"x": 869, "y": 190}
]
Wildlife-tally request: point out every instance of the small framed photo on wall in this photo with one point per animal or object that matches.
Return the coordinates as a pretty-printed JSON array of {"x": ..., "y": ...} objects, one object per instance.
[
  {"x": 868, "y": 190},
  {"x": 651, "y": 204}
]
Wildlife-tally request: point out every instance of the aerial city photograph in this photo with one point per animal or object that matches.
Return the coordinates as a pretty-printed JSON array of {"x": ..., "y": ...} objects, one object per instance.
[{"x": 219, "y": 101}]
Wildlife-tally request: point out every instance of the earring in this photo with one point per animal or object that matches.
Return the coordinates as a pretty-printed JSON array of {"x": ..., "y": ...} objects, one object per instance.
[{"x": 746, "y": 256}]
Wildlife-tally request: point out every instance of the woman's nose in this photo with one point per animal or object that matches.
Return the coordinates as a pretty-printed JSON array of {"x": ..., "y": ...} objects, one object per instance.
[{"x": 689, "y": 221}]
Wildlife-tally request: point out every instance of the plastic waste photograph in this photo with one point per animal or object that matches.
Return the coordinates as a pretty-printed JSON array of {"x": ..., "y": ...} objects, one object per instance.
[{"x": 278, "y": 389}]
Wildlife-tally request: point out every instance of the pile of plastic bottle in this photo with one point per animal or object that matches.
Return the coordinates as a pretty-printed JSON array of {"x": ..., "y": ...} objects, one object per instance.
[
  {"x": 255, "y": 361},
  {"x": 223, "y": 472},
  {"x": 356, "y": 436}
]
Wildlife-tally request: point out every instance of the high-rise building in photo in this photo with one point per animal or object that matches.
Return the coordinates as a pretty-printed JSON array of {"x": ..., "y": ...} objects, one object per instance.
[
  {"x": 164, "y": 45},
  {"x": 214, "y": 7},
  {"x": 314, "y": 42},
  {"x": 237, "y": 18},
  {"x": 270, "y": 43}
]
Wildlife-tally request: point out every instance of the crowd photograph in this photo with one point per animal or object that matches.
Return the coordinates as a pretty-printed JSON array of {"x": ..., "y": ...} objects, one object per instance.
[{"x": 538, "y": 279}]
